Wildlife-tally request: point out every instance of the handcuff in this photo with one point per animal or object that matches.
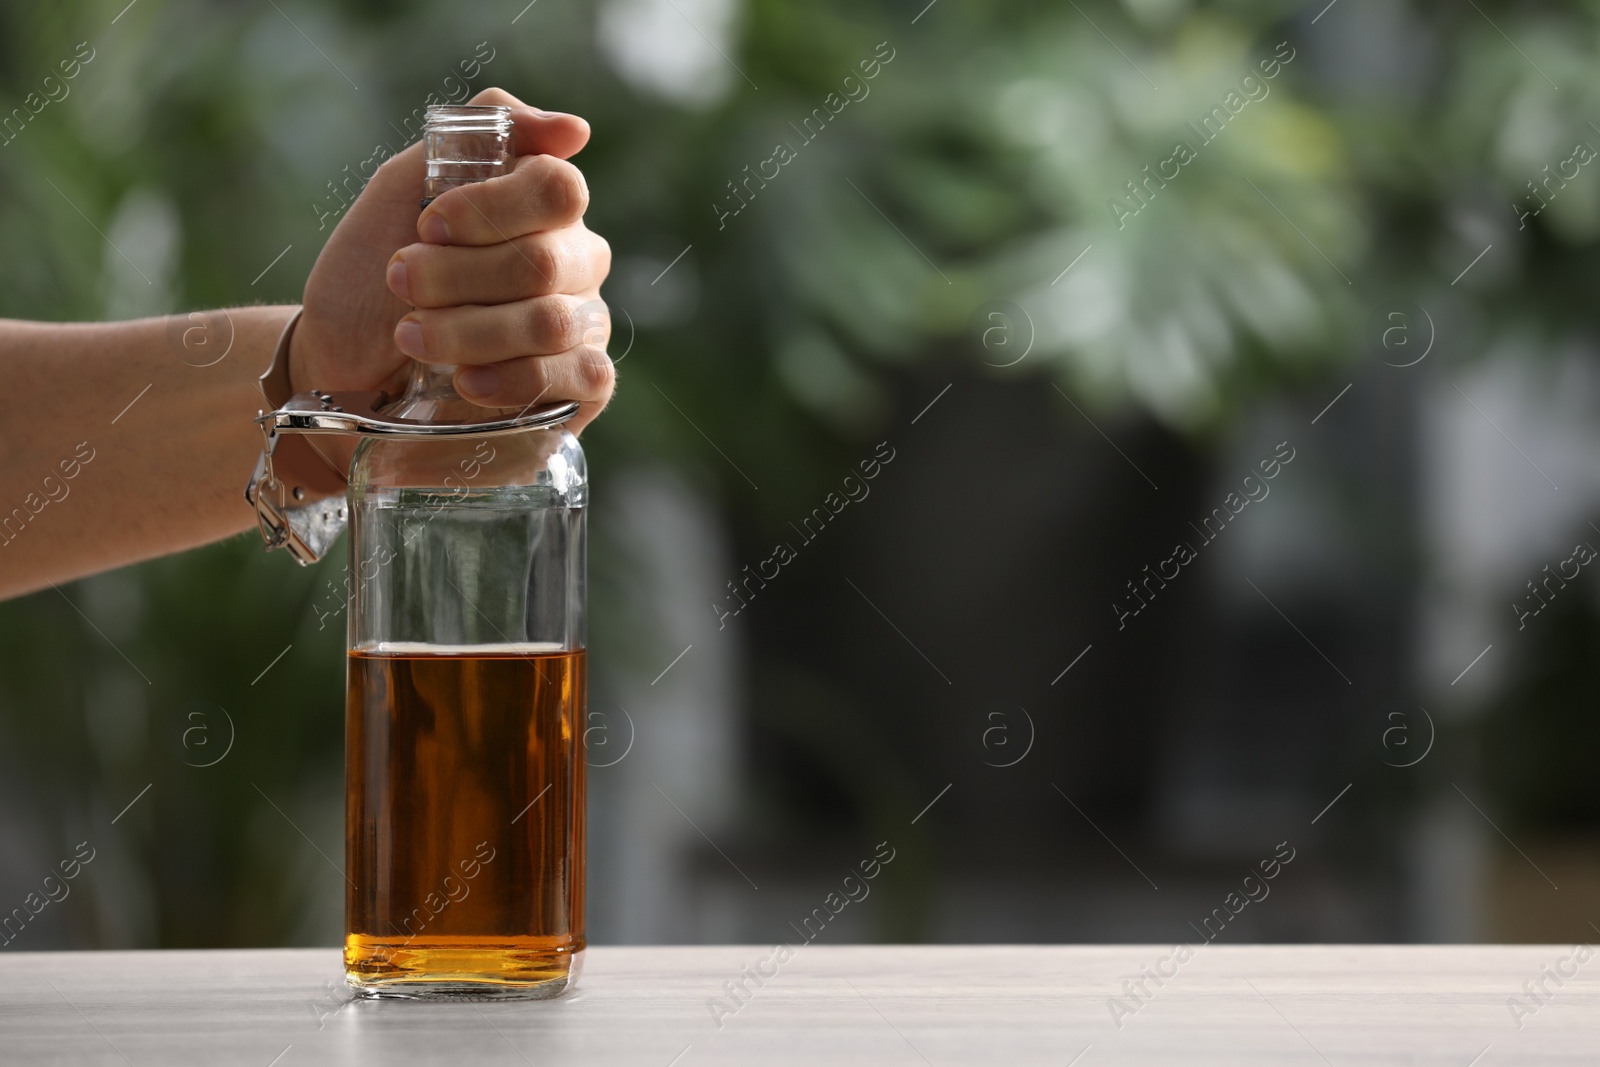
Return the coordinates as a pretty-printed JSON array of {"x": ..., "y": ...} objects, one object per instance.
[{"x": 296, "y": 491}]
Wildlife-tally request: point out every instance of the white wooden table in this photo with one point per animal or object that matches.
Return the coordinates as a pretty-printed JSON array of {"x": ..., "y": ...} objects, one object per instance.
[{"x": 648, "y": 1007}]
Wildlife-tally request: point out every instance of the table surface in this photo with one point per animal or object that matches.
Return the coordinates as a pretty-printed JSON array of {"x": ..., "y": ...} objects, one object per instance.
[{"x": 889, "y": 1005}]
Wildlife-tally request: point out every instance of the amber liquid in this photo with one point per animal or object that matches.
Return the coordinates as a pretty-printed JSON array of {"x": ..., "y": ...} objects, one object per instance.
[{"x": 464, "y": 820}]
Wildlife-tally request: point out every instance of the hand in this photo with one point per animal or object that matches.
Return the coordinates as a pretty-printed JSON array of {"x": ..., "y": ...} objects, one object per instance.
[{"x": 495, "y": 285}]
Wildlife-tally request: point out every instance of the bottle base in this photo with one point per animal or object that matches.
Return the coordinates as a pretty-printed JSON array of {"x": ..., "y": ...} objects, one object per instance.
[
  {"x": 431, "y": 989},
  {"x": 460, "y": 972}
]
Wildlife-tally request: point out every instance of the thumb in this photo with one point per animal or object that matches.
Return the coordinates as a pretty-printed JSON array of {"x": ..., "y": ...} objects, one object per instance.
[{"x": 539, "y": 133}]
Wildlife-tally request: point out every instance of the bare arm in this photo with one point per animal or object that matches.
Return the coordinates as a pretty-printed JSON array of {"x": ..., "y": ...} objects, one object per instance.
[
  {"x": 500, "y": 278},
  {"x": 113, "y": 449}
]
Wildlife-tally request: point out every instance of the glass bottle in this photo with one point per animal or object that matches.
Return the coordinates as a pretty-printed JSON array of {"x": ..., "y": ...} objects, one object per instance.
[{"x": 466, "y": 687}]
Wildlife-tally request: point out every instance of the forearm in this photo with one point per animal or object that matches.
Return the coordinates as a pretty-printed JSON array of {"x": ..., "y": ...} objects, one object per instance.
[{"x": 113, "y": 449}]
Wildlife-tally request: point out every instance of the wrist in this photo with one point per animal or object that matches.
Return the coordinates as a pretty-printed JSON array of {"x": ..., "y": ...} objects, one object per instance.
[
  {"x": 307, "y": 471},
  {"x": 295, "y": 358},
  {"x": 277, "y": 382}
]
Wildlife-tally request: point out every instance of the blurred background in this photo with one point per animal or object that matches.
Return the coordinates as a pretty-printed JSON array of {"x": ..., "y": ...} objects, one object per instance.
[{"x": 1370, "y": 275}]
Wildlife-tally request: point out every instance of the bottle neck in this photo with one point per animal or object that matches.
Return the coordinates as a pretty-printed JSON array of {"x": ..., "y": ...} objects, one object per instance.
[
  {"x": 431, "y": 396},
  {"x": 465, "y": 144},
  {"x": 431, "y": 381}
]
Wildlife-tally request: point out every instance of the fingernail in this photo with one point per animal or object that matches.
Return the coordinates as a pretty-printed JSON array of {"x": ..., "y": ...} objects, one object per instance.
[
  {"x": 408, "y": 338},
  {"x": 396, "y": 277},
  {"x": 435, "y": 230},
  {"x": 478, "y": 381}
]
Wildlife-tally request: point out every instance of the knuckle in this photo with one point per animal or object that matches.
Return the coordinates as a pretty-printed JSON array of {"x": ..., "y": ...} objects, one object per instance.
[
  {"x": 593, "y": 323},
  {"x": 595, "y": 370},
  {"x": 601, "y": 256},
  {"x": 558, "y": 323},
  {"x": 540, "y": 264},
  {"x": 535, "y": 377},
  {"x": 564, "y": 191}
]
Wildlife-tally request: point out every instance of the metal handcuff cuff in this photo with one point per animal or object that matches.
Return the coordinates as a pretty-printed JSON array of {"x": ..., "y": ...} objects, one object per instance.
[{"x": 308, "y": 528}]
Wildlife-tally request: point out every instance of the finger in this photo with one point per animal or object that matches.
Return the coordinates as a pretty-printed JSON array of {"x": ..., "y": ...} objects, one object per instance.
[
  {"x": 583, "y": 373},
  {"x": 547, "y": 133},
  {"x": 540, "y": 193},
  {"x": 473, "y": 334},
  {"x": 569, "y": 260}
]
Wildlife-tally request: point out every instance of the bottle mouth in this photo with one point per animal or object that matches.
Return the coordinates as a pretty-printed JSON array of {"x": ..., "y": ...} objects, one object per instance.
[{"x": 468, "y": 118}]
